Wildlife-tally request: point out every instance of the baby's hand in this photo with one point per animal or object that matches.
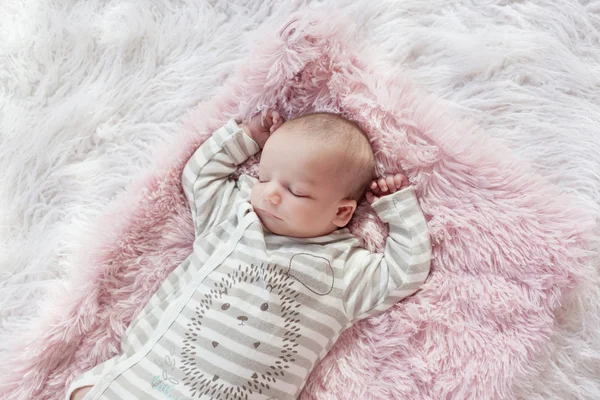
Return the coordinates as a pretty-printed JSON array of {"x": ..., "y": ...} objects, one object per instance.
[
  {"x": 259, "y": 129},
  {"x": 386, "y": 185}
]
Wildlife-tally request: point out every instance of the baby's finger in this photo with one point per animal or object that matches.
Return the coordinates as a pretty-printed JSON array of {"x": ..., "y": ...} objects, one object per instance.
[
  {"x": 399, "y": 180},
  {"x": 276, "y": 117},
  {"x": 382, "y": 184},
  {"x": 390, "y": 184},
  {"x": 277, "y": 123},
  {"x": 374, "y": 188},
  {"x": 268, "y": 119},
  {"x": 371, "y": 198}
]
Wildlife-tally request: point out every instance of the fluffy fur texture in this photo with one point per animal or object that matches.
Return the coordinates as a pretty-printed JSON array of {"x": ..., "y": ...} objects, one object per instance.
[{"x": 507, "y": 243}]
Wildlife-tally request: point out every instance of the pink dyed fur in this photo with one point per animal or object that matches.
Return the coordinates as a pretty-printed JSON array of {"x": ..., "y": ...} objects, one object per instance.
[{"x": 506, "y": 244}]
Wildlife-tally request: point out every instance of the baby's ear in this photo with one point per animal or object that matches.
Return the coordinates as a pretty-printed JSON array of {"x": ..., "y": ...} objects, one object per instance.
[{"x": 345, "y": 211}]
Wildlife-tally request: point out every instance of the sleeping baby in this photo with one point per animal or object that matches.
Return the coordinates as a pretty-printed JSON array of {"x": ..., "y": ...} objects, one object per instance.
[{"x": 275, "y": 276}]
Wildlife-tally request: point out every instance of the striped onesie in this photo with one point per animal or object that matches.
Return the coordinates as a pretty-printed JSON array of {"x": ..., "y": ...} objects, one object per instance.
[{"x": 249, "y": 313}]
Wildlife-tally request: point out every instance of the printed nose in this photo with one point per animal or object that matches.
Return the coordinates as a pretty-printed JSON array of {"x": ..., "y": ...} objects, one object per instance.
[{"x": 242, "y": 318}]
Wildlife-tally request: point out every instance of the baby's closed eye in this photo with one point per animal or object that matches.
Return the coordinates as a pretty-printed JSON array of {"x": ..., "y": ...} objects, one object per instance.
[
  {"x": 294, "y": 192},
  {"x": 297, "y": 194}
]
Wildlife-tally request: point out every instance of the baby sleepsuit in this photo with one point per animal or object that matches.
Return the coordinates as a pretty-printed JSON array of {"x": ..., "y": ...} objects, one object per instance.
[{"x": 248, "y": 314}]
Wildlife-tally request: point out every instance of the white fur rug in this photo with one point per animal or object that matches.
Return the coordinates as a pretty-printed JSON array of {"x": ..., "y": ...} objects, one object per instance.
[{"x": 88, "y": 90}]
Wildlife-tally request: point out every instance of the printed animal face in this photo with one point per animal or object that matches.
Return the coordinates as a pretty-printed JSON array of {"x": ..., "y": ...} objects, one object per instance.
[{"x": 247, "y": 305}]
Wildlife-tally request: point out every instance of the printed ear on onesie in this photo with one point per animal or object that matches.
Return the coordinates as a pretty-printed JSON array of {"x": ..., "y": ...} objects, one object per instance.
[{"x": 314, "y": 272}]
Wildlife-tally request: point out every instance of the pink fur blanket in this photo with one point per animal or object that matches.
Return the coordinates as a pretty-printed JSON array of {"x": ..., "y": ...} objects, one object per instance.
[{"x": 507, "y": 244}]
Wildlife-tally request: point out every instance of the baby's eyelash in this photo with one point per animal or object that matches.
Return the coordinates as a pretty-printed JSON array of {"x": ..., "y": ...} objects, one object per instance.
[
  {"x": 297, "y": 195},
  {"x": 289, "y": 190}
]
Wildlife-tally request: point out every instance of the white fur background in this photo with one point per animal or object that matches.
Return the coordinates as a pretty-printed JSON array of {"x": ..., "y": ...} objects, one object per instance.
[{"x": 89, "y": 89}]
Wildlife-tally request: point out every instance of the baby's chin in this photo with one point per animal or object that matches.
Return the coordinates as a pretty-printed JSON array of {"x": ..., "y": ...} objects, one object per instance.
[
  {"x": 269, "y": 225},
  {"x": 274, "y": 227}
]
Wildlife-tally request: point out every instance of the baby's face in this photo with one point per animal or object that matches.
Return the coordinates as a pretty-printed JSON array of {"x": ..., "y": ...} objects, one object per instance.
[{"x": 298, "y": 194}]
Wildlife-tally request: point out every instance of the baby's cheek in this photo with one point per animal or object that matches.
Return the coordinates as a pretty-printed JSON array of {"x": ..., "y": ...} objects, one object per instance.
[{"x": 306, "y": 213}]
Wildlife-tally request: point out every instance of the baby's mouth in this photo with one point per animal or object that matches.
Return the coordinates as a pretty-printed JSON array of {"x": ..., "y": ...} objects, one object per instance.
[{"x": 268, "y": 214}]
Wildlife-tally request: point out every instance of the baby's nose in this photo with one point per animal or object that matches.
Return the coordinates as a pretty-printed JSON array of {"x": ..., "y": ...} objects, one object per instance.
[
  {"x": 272, "y": 193},
  {"x": 273, "y": 198}
]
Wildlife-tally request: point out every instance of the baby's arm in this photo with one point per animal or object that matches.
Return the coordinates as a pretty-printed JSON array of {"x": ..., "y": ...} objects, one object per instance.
[
  {"x": 79, "y": 394},
  {"x": 205, "y": 179},
  {"x": 375, "y": 282}
]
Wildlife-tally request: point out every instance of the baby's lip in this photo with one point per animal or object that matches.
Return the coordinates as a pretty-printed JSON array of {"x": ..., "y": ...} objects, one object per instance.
[{"x": 270, "y": 215}]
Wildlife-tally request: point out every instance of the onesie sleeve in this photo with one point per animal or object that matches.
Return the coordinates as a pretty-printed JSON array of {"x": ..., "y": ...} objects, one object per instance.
[
  {"x": 206, "y": 176},
  {"x": 373, "y": 282}
]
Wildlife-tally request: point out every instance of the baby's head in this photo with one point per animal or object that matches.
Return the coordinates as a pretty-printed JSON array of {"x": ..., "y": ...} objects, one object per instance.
[{"x": 313, "y": 171}]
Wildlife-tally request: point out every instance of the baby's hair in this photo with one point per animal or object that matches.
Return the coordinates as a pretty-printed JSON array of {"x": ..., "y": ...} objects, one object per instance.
[{"x": 357, "y": 170}]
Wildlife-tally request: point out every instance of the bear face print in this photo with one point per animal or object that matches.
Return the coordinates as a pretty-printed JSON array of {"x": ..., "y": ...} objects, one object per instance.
[{"x": 244, "y": 334}]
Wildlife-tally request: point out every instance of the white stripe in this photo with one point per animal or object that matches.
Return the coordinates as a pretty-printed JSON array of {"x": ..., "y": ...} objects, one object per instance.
[
  {"x": 307, "y": 333},
  {"x": 413, "y": 220},
  {"x": 315, "y": 315},
  {"x": 421, "y": 236},
  {"x": 231, "y": 367},
  {"x": 145, "y": 327},
  {"x": 420, "y": 258}
]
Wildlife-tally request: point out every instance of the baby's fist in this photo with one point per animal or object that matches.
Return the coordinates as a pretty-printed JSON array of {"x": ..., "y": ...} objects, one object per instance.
[
  {"x": 384, "y": 186},
  {"x": 260, "y": 129}
]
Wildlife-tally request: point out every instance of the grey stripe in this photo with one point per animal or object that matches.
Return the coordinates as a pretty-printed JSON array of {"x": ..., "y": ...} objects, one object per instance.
[
  {"x": 419, "y": 248},
  {"x": 109, "y": 393},
  {"x": 331, "y": 250},
  {"x": 238, "y": 336},
  {"x": 234, "y": 379},
  {"x": 196, "y": 264},
  {"x": 243, "y": 145},
  {"x": 289, "y": 248},
  {"x": 408, "y": 286},
  {"x": 140, "y": 334},
  {"x": 405, "y": 258},
  {"x": 397, "y": 257},
  {"x": 419, "y": 268},
  {"x": 251, "y": 244},
  {"x": 314, "y": 285},
  {"x": 364, "y": 296},
  {"x": 313, "y": 304},
  {"x": 152, "y": 319},
  {"x": 219, "y": 167},
  {"x": 206, "y": 152},
  {"x": 204, "y": 344},
  {"x": 319, "y": 244},
  {"x": 395, "y": 298},
  {"x": 187, "y": 185},
  {"x": 143, "y": 375},
  {"x": 305, "y": 320},
  {"x": 404, "y": 195},
  {"x": 206, "y": 247},
  {"x": 249, "y": 252},
  {"x": 267, "y": 327}
]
